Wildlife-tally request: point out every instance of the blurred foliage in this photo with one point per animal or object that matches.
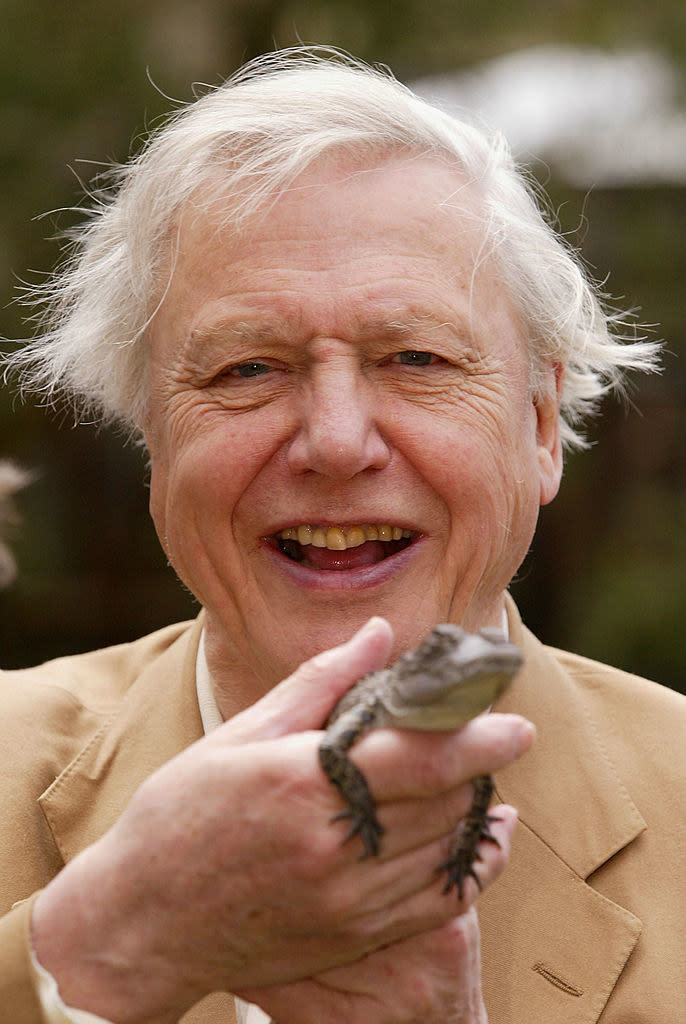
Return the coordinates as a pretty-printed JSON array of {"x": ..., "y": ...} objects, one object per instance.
[
  {"x": 607, "y": 572},
  {"x": 81, "y": 82}
]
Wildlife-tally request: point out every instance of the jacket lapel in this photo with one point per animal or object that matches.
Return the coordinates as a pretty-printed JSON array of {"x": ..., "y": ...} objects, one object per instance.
[
  {"x": 158, "y": 718},
  {"x": 553, "y": 947}
]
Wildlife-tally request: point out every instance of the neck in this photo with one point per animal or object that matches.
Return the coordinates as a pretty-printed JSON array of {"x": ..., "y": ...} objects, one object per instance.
[
  {"x": 241, "y": 676},
  {"x": 235, "y": 682}
]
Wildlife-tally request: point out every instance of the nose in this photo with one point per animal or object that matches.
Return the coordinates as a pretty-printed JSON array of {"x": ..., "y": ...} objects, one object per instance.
[{"x": 338, "y": 434}]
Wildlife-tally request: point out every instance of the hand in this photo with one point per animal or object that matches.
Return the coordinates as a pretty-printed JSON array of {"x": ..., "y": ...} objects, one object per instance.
[
  {"x": 431, "y": 978},
  {"x": 224, "y": 872}
]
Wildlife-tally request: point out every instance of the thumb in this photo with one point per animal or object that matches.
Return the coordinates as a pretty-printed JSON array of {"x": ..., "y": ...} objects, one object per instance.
[{"x": 306, "y": 698}]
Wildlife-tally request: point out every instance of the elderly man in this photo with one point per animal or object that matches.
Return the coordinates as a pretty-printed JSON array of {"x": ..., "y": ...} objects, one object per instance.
[{"x": 354, "y": 351}]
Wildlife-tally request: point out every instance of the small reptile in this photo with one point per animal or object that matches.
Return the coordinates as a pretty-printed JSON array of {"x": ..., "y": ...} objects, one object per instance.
[{"x": 450, "y": 678}]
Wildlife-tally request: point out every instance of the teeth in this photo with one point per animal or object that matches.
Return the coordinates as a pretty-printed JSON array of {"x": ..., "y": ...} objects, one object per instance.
[
  {"x": 304, "y": 535},
  {"x": 339, "y": 538}
]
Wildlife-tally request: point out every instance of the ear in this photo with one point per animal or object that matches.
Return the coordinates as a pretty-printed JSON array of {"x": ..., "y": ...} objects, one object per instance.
[{"x": 548, "y": 443}]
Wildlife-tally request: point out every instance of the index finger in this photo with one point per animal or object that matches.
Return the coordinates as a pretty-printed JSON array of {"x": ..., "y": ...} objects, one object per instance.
[
  {"x": 407, "y": 763},
  {"x": 305, "y": 699}
]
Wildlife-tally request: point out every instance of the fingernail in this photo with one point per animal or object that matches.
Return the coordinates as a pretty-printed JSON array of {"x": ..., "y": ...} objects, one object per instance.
[
  {"x": 526, "y": 735},
  {"x": 370, "y": 626}
]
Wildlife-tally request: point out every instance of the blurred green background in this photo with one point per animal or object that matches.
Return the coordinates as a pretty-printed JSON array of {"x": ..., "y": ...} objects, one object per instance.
[{"x": 80, "y": 83}]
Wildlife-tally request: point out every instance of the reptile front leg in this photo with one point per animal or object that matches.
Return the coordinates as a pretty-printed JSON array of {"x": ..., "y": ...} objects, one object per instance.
[
  {"x": 474, "y": 828},
  {"x": 341, "y": 734},
  {"x": 348, "y": 779},
  {"x": 351, "y": 783}
]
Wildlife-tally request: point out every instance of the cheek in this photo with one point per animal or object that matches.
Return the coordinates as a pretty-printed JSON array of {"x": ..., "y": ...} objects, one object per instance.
[
  {"x": 462, "y": 457},
  {"x": 483, "y": 465},
  {"x": 204, "y": 471}
]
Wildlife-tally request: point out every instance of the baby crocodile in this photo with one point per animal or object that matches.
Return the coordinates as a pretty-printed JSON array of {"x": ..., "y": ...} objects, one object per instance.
[{"x": 451, "y": 677}]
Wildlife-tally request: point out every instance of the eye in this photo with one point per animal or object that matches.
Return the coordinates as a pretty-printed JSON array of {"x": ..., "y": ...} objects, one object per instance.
[
  {"x": 247, "y": 370},
  {"x": 412, "y": 357}
]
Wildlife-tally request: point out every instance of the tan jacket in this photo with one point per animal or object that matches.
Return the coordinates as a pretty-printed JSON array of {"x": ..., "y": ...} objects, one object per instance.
[{"x": 587, "y": 924}]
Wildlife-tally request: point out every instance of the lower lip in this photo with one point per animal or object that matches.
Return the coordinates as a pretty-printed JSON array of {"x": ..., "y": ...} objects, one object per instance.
[{"x": 331, "y": 580}]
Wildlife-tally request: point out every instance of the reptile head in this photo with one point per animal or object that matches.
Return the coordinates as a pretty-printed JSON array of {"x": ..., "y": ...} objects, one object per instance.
[{"x": 452, "y": 676}]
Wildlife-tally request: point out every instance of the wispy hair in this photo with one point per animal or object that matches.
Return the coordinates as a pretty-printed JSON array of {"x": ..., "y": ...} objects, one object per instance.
[{"x": 261, "y": 129}]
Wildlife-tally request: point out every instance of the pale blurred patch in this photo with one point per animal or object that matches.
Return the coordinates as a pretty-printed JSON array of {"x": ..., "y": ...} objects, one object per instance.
[
  {"x": 598, "y": 117},
  {"x": 12, "y": 479}
]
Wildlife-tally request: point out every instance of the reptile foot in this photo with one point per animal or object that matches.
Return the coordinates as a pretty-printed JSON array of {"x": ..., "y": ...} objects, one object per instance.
[
  {"x": 460, "y": 864},
  {"x": 364, "y": 825}
]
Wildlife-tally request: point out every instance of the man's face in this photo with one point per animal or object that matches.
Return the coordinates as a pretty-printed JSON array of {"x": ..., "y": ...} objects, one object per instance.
[{"x": 351, "y": 372}]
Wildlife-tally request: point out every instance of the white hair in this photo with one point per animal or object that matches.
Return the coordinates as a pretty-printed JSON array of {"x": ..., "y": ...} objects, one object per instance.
[{"x": 261, "y": 129}]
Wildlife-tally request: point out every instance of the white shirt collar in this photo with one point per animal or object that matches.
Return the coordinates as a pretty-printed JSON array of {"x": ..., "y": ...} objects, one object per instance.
[{"x": 210, "y": 714}]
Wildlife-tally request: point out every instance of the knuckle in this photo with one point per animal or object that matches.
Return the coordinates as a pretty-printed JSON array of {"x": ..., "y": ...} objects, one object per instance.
[
  {"x": 419, "y": 998},
  {"x": 429, "y": 998},
  {"x": 453, "y": 941},
  {"x": 318, "y": 665},
  {"x": 434, "y": 771},
  {"x": 315, "y": 858}
]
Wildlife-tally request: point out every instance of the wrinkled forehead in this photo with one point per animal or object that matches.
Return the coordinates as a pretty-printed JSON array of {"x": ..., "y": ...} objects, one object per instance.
[
  {"x": 417, "y": 205},
  {"x": 227, "y": 202}
]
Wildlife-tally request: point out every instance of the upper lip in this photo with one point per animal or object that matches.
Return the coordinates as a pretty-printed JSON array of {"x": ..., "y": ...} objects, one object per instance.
[{"x": 324, "y": 522}]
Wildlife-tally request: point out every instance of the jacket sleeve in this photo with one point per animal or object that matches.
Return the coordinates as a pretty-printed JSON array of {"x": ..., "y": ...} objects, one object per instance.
[
  {"x": 21, "y": 990},
  {"x": 18, "y": 992}
]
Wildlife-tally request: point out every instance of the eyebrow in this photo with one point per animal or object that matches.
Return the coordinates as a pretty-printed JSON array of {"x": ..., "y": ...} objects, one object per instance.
[
  {"x": 401, "y": 324},
  {"x": 244, "y": 330},
  {"x": 207, "y": 337},
  {"x": 413, "y": 323}
]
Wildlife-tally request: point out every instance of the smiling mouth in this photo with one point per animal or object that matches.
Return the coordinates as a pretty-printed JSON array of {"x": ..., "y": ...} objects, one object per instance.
[{"x": 340, "y": 548}]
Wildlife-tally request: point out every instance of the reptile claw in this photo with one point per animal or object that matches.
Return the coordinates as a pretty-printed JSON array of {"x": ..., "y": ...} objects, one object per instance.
[
  {"x": 460, "y": 864},
  {"x": 366, "y": 827},
  {"x": 459, "y": 869}
]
